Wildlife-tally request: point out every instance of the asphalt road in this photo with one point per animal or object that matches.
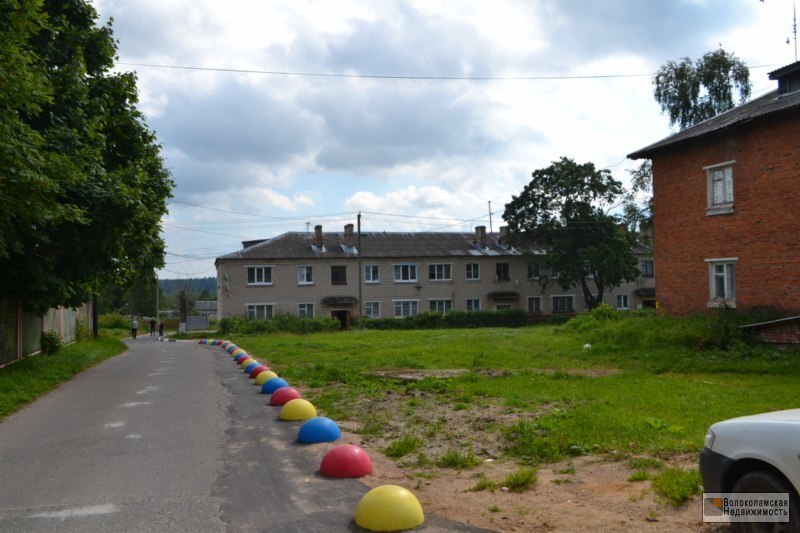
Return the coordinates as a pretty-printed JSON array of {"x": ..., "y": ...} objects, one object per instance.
[{"x": 169, "y": 436}]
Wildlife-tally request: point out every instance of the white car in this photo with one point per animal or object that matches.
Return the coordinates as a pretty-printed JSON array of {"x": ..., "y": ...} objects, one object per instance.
[{"x": 755, "y": 454}]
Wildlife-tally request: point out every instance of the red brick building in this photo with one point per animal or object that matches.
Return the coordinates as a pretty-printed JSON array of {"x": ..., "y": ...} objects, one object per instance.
[{"x": 726, "y": 209}]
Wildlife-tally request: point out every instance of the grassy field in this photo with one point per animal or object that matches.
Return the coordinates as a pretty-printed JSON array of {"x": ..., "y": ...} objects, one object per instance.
[
  {"x": 23, "y": 382},
  {"x": 648, "y": 385}
]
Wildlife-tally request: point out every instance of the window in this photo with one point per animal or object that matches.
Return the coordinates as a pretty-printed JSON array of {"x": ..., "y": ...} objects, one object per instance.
[
  {"x": 441, "y": 306},
  {"x": 646, "y": 266},
  {"x": 405, "y": 273},
  {"x": 371, "y": 274},
  {"x": 473, "y": 271},
  {"x": 338, "y": 275},
  {"x": 720, "y": 188},
  {"x": 534, "y": 304},
  {"x": 372, "y": 309},
  {"x": 259, "y": 275},
  {"x": 306, "y": 310},
  {"x": 502, "y": 272},
  {"x": 534, "y": 270},
  {"x": 439, "y": 272},
  {"x": 259, "y": 311},
  {"x": 406, "y": 308},
  {"x": 722, "y": 274},
  {"x": 473, "y": 304},
  {"x": 622, "y": 302},
  {"x": 304, "y": 276},
  {"x": 562, "y": 304}
]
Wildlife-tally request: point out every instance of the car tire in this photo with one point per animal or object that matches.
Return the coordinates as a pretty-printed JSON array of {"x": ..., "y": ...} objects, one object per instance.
[{"x": 767, "y": 481}]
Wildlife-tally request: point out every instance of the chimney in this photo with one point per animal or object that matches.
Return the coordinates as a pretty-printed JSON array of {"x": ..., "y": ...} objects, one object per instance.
[
  {"x": 318, "y": 235},
  {"x": 480, "y": 235},
  {"x": 349, "y": 241},
  {"x": 503, "y": 233}
]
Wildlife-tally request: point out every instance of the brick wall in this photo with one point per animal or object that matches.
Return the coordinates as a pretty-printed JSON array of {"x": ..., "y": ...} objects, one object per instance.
[
  {"x": 763, "y": 231},
  {"x": 783, "y": 334}
]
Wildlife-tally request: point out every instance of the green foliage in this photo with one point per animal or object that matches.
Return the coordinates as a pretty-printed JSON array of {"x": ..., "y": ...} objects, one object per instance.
[
  {"x": 510, "y": 318},
  {"x": 483, "y": 483},
  {"x": 84, "y": 185},
  {"x": 563, "y": 211},
  {"x": 403, "y": 446},
  {"x": 676, "y": 485},
  {"x": 692, "y": 92},
  {"x": 51, "y": 342},
  {"x": 113, "y": 321},
  {"x": 639, "y": 475},
  {"x": 282, "y": 322}
]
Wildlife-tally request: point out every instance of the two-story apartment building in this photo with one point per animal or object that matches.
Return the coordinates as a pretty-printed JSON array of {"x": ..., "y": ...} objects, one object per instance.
[
  {"x": 726, "y": 228},
  {"x": 381, "y": 274}
]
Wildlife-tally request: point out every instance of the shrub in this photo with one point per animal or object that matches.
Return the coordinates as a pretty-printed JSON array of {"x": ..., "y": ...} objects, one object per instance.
[
  {"x": 281, "y": 322},
  {"x": 51, "y": 342},
  {"x": 113, "y": 321},
  {"x": 511, "y": 318}
]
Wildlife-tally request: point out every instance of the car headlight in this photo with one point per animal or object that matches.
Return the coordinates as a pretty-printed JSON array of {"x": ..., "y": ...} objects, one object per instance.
[{"x": 709, "y": 440}]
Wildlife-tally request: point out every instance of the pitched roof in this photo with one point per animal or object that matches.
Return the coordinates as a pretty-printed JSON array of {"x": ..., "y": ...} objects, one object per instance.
[
  {"x": 299, "y": 245},
  {"x": 764, "y": 106}
]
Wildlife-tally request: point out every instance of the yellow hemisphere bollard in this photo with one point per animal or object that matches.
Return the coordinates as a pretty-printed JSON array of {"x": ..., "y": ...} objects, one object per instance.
[
  {"x": 264, "y": 376},
  {"x": 244, "y": 361},
  {"x": 389, "y": 508},
  {"x": 298, "y": 409}
]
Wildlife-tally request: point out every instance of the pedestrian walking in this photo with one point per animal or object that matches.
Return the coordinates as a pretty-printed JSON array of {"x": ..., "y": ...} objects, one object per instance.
[
  {"x": 160, "y": 328},
  {"x": 152, "y": 327},
  {"x": 134, "y": 326}
]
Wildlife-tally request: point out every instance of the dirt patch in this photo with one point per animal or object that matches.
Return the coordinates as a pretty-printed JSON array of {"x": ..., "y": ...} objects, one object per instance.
[{"x": 588, "y": 493}]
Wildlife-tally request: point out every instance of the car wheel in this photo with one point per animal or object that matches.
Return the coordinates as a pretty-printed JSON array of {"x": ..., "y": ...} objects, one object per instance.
[{"x": 766, "y": 481}]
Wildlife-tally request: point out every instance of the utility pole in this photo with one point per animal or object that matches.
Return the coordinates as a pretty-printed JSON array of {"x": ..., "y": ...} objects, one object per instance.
[
  {"x": 490, "y": 217},
  {"x": 360, "y": 273}
]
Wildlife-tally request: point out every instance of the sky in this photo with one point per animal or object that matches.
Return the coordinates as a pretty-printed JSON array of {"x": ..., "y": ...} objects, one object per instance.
[{"x": 421, "y": 115}]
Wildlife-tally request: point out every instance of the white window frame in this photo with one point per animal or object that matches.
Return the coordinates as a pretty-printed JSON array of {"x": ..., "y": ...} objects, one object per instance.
[
  {"x": 372, "y": 309},
  {"x": 720, "y": 174},
  {"x": 405, "y": 308},
  {"x": 305, "y": 275},
  {"x": 623, "y": 302},
  {"x": 372, "y": 273},
  {"x": 259, "y": 268},
  {"x": 473, "y": 304},
  {"x": 722, "y": 269},
  {"x": 440, "y": 271},
  {"x": 440, "y": 305},
  {"x": 537, "y": 308},
  {"x": 251, "y": 311},
  {"x": 411, "y": 268},
  {"x": 473, "y": 271},
  {"x": 571, "y": 298},
  {"x": 507, "y": 269},
  {"x": 306, "y": 310}
]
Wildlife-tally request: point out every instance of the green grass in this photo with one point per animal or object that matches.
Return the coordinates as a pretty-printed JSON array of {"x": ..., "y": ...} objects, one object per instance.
[
  {"x": 619, "y": 396},
  {"x": 520, "y": 480},
  {"x": 675, "y": 485},
  {"x": 24, "y": 381},
  {"x": 403, "y": 446},
  {"x": 455, "y": 458}
]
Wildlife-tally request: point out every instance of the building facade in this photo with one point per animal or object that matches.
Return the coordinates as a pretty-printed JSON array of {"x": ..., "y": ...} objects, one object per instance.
[
  {"x": 380, "y": 275},
  {"x": 724, "y": 199}
]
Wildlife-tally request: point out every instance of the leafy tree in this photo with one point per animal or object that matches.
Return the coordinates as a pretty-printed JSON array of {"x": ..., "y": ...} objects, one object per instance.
[
  {"x": 560, "y": 212},
  {"x": 691, "y": 92},
  {"x": 87, "y": 159},
  {"x": 638, "y": 204}
]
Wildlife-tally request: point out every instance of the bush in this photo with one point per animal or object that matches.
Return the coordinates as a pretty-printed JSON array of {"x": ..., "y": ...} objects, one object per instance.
[
  {"x": 113, "y": 321},
  {"x": 282, "y": 322},
  {"x": 511, "y": 318},
  {"x": 51, "y": 342}
]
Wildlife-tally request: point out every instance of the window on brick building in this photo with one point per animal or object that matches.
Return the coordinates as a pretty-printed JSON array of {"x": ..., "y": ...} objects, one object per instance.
[
  {"x": 719, "y": 188},
  {"x": 722, "y": 282},
  {"x": 338, "y": 275},
  {"x": 646, "y": 266}
]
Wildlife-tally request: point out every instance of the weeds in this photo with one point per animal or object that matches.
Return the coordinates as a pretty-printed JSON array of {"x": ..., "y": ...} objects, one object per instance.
[
  {"x": 455, "y": 458},
  {"x": 675, "y": 485},
  {"x": 520, "y": 480},
  {"x": 403, "y": 446}
]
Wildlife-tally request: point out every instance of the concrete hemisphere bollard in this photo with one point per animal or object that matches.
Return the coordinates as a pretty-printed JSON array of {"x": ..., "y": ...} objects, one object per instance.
[
  {"x": 263, "y": 377},
  {"x": 249, "y": 367},
  {"x": 284, "y": 395},
  {"x": 346, "y": 460},
  {"x": 230, "y": 349},
  {"x": 298, "y": 409},
  {"x": 237, "y": 351},
  {"x": 244, "y": 361},
  {"x": 239, "y": 357},
  {"x": 389, "y": 508},
  {"x": 271, "y": 385},
  {"x": 258, "y": 370},
  {"x": 319, "y": 429}
]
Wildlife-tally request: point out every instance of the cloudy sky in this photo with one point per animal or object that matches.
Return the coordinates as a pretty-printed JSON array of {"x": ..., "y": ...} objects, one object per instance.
[{"x": 279, "y": 115}]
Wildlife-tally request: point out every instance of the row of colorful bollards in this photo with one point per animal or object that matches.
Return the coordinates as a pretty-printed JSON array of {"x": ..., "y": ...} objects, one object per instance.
[{"x": 384, "y": 508}]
